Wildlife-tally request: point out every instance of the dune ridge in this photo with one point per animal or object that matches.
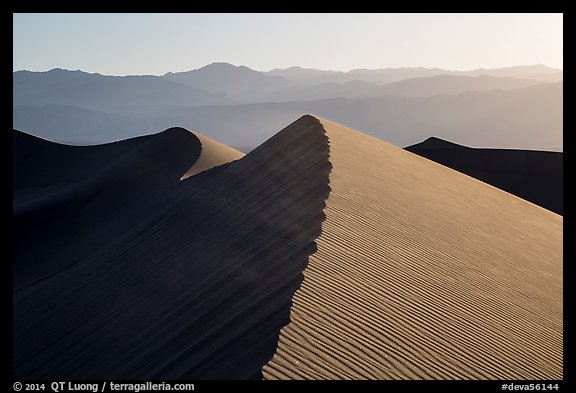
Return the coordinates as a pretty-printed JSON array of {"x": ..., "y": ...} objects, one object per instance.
[
  {"x": 195, "y": 282},
  {"x": 324, "y": 253},
  {"x": 57, "y": 187},
  {"x": 536, "y": 176},
  {"x": 423, "y": 273},
  {"x": 63, "y": 194},
  {"x": 216, "y": 154}
]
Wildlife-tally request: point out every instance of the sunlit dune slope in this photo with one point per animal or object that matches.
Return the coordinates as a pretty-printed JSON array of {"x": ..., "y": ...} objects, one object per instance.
[
  {"x": 215, "y": 153},
  {"x": 423, "y": 273}
]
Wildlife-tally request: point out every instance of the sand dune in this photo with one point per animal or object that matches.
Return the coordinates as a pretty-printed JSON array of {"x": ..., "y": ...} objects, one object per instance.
[
  {"x": 410, "y": 269},
  {"x": 423, "y": 273},
  {"x": 60, "y": 190},
  {"x": 213, "y": 154},
  {"x": 170, "y": 279},
  {"x": 536, "y": 176}
]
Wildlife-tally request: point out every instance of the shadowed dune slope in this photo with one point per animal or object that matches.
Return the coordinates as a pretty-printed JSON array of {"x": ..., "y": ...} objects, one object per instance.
[
  {"x": 422, "y": 272},
  {"x": 536, "y": 176},
  {"x": 193, "y": 280},
  {"x": 66, "y": 194},
  {"x": 71, "y": 200}
]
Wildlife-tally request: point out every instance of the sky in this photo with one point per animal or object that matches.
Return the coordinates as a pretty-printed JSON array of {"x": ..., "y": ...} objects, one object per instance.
[{"x": 153, "y": 44}]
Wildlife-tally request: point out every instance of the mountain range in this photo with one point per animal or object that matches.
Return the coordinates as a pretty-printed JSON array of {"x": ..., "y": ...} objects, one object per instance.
[{"x": 515, "y": 107}]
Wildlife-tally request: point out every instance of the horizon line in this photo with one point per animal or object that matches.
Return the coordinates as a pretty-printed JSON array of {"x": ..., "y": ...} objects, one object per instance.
[{"x": 300, "y": 67}]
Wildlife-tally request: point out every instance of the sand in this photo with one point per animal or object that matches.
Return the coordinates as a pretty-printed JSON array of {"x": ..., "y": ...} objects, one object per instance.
[
  {"x": 213, "y": 154},
  {"x": 171, "y": 279},
  {"x": 536, "y": 176},
  {"x": 422, "y": 272},
  {"x": 322, "y": 254},
  {"x": 63, "y": 193}
]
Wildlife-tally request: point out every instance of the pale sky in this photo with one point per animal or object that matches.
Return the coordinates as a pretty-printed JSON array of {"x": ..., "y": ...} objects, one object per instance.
[{"x": 126, "y": 44}]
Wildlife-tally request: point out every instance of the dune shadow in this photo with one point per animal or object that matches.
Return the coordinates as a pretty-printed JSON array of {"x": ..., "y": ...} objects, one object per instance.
[{"x": 197, "y": 286}]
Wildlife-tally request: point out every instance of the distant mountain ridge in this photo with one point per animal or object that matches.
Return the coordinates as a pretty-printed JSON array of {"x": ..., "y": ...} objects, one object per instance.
[
  {"x": 107, "y": 93},
  {"x": 414, "y": 87},
  {"x": 537, "y": 72},
  {"x": 503, "y": 108},
  {"x": 238, "y": 82},
  {"x": 527, "y": 118},
  {"x": 224, "y": 84}
]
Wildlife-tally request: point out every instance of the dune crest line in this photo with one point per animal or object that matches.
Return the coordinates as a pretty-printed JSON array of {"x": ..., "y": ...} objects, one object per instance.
[
  {"x": 168, "y": 279},
  {"x": 423, "y": 273}
]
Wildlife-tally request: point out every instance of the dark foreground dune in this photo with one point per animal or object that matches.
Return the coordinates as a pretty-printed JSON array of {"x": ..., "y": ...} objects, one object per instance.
[
  {"x": 163, "y": 278},
  {"x": 322, "y": 254},
  {"x": 536, "y": 176},
  {"x": 69, "y": 201}
]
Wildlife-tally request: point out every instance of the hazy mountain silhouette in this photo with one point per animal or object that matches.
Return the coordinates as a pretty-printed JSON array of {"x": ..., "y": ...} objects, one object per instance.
[
  {"x": 537, "y": 72},
  {"x": 414, "y": 87},
  {"x": 300, "y": 84},
  {"x": 535, "y": 176},
  {"x": 352, "y": 89},
  {"x": 78, "y": 107},
  {"x": 299, "y": 73},
  {"x": 388, "y": 75},
  {"x": 72, "y": 124},
  {"x": 452, "y": 84},
  {"x": 224, "y": 84},
  {"x": 380, "y": 76},
  {"x": 527, "y": 118},
  {"x": 107, "y": 93},
  {"x": 239, "y": 82}
]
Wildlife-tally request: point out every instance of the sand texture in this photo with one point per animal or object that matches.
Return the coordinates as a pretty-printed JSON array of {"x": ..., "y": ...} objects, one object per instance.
[
  {"x": 183, "y": 279},
  {"x": 322, "y": 254},
  {"x": 536, "y": 176},
  {"x": 422, "y": 272}
]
